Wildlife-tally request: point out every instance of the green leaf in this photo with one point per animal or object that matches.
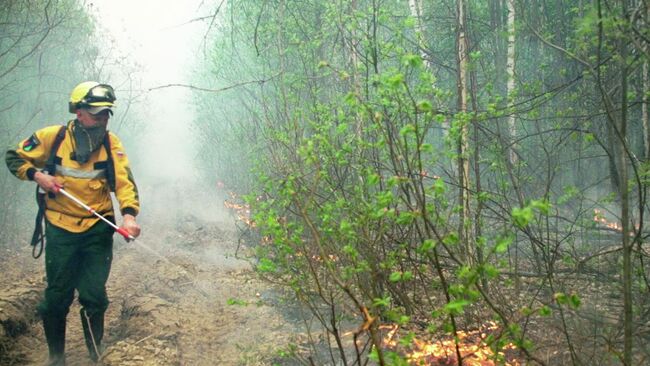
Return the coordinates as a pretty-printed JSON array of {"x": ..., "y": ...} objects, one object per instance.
[
  {"x": 439, "y": 187},
  {"x": 373, "y": 179},
  {"x": 426, "y": 246},
  {"x": 405, "y": 218},
  {"x": 408, "y": 129},
  {"x": 451, "y": 239},
  {"x": 561, "y": 298},
  {"x": 412, "y": 60},
  {"x": 569, "y": 193},
  {"x": 373, "y": 355},
  {"x": 233, "y": 301},
  {"x": 381, "y": 302},
  {"x": 345, "y": 227},
  {"x": 384, "y": 198},
  {"x": 543, "y": 206},
  {"x": 490, "y": 271},
  {"x": 266, "y": 265},
  {"x": 424, "y": 106},
  {"x": 522, "y": 216},
  {"x": 396, "y": 80},
  {"x": 426, "y": 147},
  {"x": 503, "y": 244},
  {"x": 545, "y": 311},
  {"x": 350, "y": 250},
  {"x": 395, "y": 277},
  {"x": 484, "y": 196},
  {"x": 456, "y": 306},
  {"x": 574, "y": 301},
  {"x": 341, "y": 128},
  {"x": 407, "y": 276},
  {"x": 408, "y": 339}
]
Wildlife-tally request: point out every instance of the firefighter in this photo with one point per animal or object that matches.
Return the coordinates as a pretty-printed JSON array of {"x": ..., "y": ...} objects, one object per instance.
[{"x": 89, "y": 162}]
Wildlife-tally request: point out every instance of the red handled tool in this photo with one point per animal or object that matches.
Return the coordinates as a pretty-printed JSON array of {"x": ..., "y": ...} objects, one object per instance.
[{"x": 119, "y": 230}]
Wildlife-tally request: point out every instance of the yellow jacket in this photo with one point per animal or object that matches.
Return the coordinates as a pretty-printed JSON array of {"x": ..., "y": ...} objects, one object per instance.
[{"x": 87, "y": 181}]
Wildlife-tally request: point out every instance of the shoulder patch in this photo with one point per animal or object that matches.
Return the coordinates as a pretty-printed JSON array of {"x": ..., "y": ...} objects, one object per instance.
[{"x": 30, "y": 143}]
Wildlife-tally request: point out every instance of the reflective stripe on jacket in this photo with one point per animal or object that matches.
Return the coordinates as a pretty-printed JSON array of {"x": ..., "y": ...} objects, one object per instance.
[{"x": 87, "y": 181}]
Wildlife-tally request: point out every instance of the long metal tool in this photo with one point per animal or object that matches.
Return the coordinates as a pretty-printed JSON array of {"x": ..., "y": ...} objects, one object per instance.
[
  {"x": 119, "y": 230},
  {"x": 129, "y": 237}
]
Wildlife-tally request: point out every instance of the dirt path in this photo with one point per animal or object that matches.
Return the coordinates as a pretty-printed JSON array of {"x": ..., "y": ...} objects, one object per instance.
[{"x": 178, "y": 297}]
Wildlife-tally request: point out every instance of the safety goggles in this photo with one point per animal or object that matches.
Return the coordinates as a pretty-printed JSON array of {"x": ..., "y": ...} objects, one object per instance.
[{"x": 99, "y": 93}]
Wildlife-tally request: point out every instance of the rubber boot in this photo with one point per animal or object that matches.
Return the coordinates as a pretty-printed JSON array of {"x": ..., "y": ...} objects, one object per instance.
[
  {"x": 93, "y": 326},
  {"x": 54, "y": 328}
]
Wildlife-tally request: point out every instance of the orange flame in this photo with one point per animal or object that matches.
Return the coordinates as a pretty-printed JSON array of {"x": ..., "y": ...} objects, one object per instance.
[
  {"x": 599, "y": 218},
  {"x": 241, "y": 211},
  {"x": 471, "y": 345}
]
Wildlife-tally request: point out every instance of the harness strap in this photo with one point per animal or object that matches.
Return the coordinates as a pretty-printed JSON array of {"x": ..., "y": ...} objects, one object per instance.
[
  {"x": 110, "y": 166},
  {"x": 50, "y": 165},
  {"x": 38, "y": 237}
]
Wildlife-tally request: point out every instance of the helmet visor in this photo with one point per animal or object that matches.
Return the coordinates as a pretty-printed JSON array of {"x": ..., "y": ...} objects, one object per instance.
[{"x": 100, "y": 93}]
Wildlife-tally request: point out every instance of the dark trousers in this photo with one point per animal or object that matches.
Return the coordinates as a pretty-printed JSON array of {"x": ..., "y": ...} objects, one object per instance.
[{"x": 80, "y": 261}]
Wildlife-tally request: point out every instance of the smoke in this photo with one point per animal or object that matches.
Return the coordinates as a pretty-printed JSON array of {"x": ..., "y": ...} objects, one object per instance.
[{"x": 164, "y": 42}]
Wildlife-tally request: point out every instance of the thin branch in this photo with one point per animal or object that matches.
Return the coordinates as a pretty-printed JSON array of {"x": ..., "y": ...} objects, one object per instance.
[
  {"x": 257, "y": 24},
  {"x": 193, "y": 87},
  {"x": 213, "y": 18}
]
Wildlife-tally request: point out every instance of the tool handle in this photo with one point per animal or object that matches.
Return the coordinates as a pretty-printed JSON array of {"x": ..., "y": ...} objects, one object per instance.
[
  {"x": 124, "y": 233},
  {"x": 57, "y": 188},
  {"x": 121, "y": 231}
]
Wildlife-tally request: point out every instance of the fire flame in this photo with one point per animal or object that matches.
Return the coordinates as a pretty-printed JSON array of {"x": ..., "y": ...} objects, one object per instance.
[
  {"x": 241, "y": 211},
  {"x": 472, "y": 347},
  {"x": 599, "y": 217}
]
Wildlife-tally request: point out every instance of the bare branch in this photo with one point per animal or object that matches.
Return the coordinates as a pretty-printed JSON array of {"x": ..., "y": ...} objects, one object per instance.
[{"x": 193, "y": 87}]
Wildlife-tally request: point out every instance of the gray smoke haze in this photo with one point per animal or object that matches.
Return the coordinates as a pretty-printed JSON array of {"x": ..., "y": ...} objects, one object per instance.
[
  {"x": 164, "y": 42},
  {"x": 153, "y": 34}
]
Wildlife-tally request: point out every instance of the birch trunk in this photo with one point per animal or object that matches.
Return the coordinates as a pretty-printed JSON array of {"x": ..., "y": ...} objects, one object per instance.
[
  {"x": 463, "y": 144},
  {"x": 510, "y": 85},
  {"x": 351, "y": 46},
  {"x": 625, "y": 208},
  {"x": 415, "y": 7},
  {"x": 644, "y": 100},
  {"x": 644, "y": 112}
]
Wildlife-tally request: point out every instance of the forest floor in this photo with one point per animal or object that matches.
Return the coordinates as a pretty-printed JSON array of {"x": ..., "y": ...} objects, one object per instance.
[{"x": 179, "y": 296}]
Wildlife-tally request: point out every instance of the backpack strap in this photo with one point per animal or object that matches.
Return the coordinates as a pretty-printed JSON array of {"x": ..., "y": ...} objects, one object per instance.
[
  {"x": 110, "y": 165},
  {"x": 50, "y": 165},
  {"x": 38, "y": 237}
]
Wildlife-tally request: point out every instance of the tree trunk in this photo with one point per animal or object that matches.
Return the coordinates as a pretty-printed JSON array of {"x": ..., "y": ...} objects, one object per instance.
[
  {"x": 510, "y": 85},
  {"x": 644, "y": 99},
  {"x": 644, "y": 113},
  {"x": 415, "y": 8},
  {"x": 623, "y": 189},
  {"x": 463, "y": 144}
]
